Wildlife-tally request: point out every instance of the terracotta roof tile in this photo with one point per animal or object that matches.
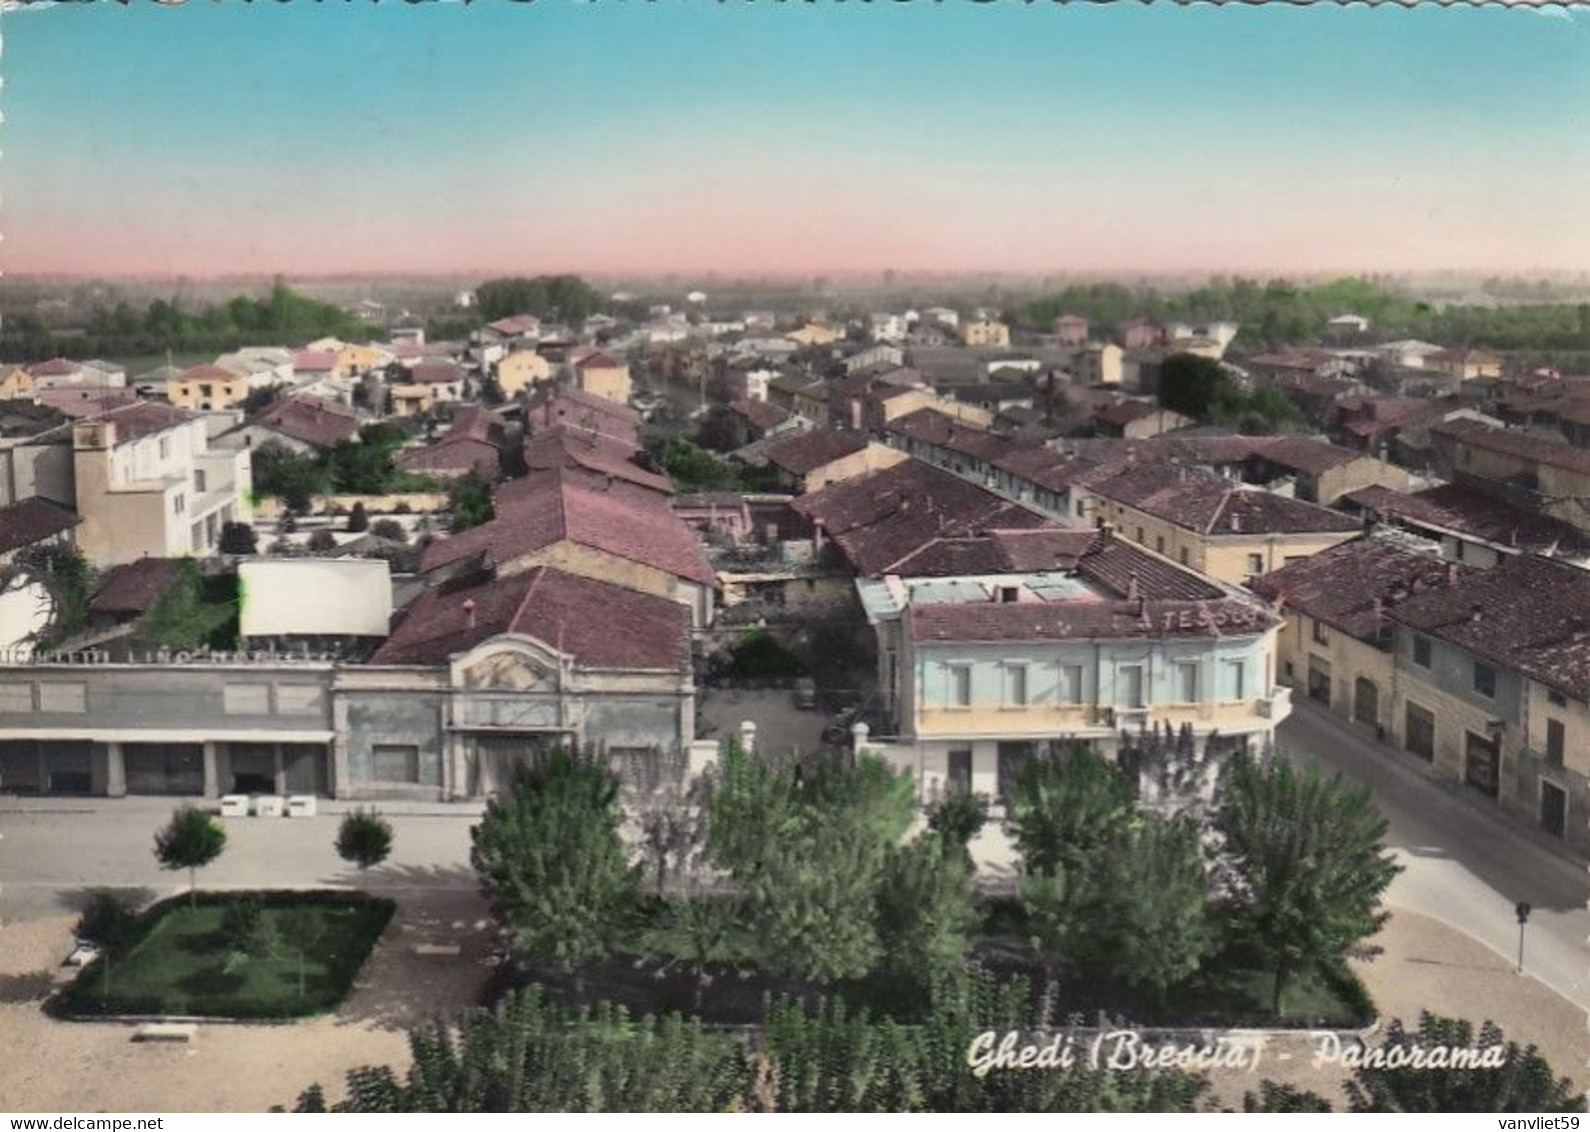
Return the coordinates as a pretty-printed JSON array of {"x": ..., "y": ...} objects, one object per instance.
[
  {"x": 32, "y": 520},
  {"x": 134, "y": 587}
]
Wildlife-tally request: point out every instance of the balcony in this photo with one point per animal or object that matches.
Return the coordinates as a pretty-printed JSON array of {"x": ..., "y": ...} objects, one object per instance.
[{"x": 1278, "y": 705}]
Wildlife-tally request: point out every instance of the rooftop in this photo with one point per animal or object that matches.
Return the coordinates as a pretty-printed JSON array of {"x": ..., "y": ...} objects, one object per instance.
[
  {"x": 32, "y": 520},
  {"x": 1352, "y": 585},
  {"x": 134, "y": 587},
  {"x": 1209, "y": 503},
  {"x": 808, "y": 451},
  {"x": 311, "y": 420},
  {"x": 1469, "y": 511},
  {"x": 597, "y": 624}
]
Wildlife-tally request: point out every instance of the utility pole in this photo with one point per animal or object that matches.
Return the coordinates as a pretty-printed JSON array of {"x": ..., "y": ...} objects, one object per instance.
[{"x": 1522, "y": 911}]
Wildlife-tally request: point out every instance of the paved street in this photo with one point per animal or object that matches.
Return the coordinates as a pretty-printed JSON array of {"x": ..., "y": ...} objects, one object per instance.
[{"x": 1465, "y": 863}]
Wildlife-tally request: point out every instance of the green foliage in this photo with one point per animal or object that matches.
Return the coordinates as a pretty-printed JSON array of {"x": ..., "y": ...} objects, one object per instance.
[
  {"x": 283, "y": 474},
  {"x": 238, "y": 538},
  {"x": 196, "y": 611},
  {"x": 550, "y": 854},
  {"x": 178, "y": 958},
  {"x": 358, "y": 518},
  {"x": 107, "y": 921},
  {"x": 1278, "y": 312},
  {"x": 321, "y": 542},
  {"x": 1524, "y": 1082},
  {"x": 758, "y": 654},
  {"x": 530, "y": 1056},
  {"x": 283, "y": 317},
  {"x": 389, "y": 529},
  {"x": 691, "y": 467},
  {"x": 1064, "y": 811},
  {"x": 191, "y": 840},
  {"x": 809, "y": 853},
  {"x": 65, "y": 576},
  {"x": 1311, "y": 857},
  {"x": 958, "y": 818},
  {"x": 364, "y": 838},
  {"x": 246, "y": 931},
  {"x": 926, "y": 909},
  {"x": 258, "y": 400},
  {"x": 559, "y": 298},
  {"x": 1274, "y": 1097},
  {"x": 1192, "y": 385},
  {"x": 469, "y": 502}
]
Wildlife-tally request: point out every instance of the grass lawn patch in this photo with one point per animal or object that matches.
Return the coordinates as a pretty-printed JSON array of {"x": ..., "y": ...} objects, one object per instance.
[{"x": 180, "y": 961}]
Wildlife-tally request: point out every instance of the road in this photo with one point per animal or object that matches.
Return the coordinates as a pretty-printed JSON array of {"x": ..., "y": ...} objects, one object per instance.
[{"x": 1464, "y": 862}]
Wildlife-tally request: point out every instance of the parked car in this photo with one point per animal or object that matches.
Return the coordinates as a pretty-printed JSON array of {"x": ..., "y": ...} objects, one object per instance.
[{"x": 806, "y": 693}]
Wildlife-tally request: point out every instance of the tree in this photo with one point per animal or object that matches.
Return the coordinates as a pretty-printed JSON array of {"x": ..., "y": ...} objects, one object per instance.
[
  {"x": 1310, "y": 855},
  {"x": 1149, "y": 916},
  {"x": 283, "y": 474},
  {"x": 1065, "y": 810},
  {"x": 550, "y": 855},
  {"x": 238, "y": 538},
  {"x": 110, "y": 925},
  {"x": 190, "y": 841},
  {"x": 926, "y": 908},
  {"x": 1276, "y": 1097},
  {"x": 958, "y": 818},
  {"x": 389, "y": 529},
  {"x": 358, "y": 518},
  {"x": 322, "y": 541},
  {"x": 298, "y": 929},
  {"x": 247, "y": 932},
  {"x": 1523, "y": 1082},
  {"x": 364, "y": 838},
  {"x": 1191, "y": 385},
  {"x": 258, "y": 400},
  {"x": 469, "y": 502}
]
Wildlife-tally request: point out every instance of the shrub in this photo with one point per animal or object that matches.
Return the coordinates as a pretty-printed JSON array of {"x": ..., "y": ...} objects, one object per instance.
[
  {"x": 364, "y": 839},
  {"x": 322, "y": 541},
  {"x": 358, "y": 519},
  {"x": 389, "y": 529}
]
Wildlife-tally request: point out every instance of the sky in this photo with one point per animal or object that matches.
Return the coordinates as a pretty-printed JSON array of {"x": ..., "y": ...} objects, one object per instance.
[{"x": 791, "y": 139}]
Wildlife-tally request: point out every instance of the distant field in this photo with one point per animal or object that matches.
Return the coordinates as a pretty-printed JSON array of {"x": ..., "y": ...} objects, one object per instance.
[{"x": 143, "y": 363}]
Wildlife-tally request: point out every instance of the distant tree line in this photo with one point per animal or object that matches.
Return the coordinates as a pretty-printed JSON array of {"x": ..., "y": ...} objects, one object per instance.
[
  {"x": 1278, "y": 312},
  {"x": 558, "y": 298},
  {"x": 283, "y": 317}
]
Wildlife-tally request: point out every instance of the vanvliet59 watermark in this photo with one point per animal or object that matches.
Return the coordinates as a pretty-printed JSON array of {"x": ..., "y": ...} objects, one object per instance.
[{"x": 1123, "y": 1050}]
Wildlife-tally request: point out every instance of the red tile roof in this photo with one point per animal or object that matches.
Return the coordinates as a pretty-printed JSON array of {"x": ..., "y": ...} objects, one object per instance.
[
  {"x": 808, "y": 451},
  {"x": 437, "y": 373},
  {"x": 1087, "y": 619},
  {"x": 55, "y": 367},
  {"x": 882, "y": 518},
  {"x": 134, "y": 587},
  {"x": 1527, "y": 446},
  {"x": 1469, "y": 511},
  {"x": 315, "y": 361},
  {"x": 1207, "y": 502},
  {"x": 598, "y": 624},
  {"x": 1527, "y": 614},
  {"x": 761, "y": 414},
  {"x": 565, "y": 447},
  {"x": 311, "y": 420},
  {"x": 207, "y": 372},
  {"x": 78, "y": 401},
  {"x": 548, "y": 507},
  {"x": 1352, "y": 585},
  {"x": 32, "y": 520}
]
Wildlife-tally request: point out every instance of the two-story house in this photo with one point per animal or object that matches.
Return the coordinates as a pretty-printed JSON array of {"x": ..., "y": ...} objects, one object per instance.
[{"x": 1015, "y": 643}]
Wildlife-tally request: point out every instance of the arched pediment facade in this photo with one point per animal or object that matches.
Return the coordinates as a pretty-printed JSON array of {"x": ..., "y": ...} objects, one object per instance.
[{"x": 510, "y": 663}]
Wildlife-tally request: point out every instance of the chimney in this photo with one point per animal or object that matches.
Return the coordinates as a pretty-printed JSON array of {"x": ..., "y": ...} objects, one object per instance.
[
  {"x": 1475, "y": 613},
  {"x": 469, "y": 613},
  {"x": 1132, "y": 590},
  {"x": 1236, "y": 521},
  {"x": 1451, "y": 573}
]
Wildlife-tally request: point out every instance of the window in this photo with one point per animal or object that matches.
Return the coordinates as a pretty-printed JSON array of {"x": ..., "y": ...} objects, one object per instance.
[
  {"x": 1485, "y": 680},
  {"x": 1237, "y": 679},
  {"x": 393, "y": 762},
  {"x": 63, "y": 697},
  {"x": 198, "y": 482},
  {"x": 1139, "y": 534},
  {"x": 1459, "y": 552},
  {"x": 246, "y": 699},
  {"x": 1071, "y": 683},
  {"x": 165, "y": 448},
  {"x": 1556, "y": 741},
  {"x": 16, "y": 697},
  {"x": 1255, "y": 564},
  {"x": 1184, "y": 557},
  {"x": 960, "y": 685},
  {"x": 1009, "y": 594},
  {"x": 298, "y": 699},
  {"x": 1187, "y": 683},
  {"x": 1419, "y": 731},
  {"x": 1421, "y": 651},
  {"x": 1015, "y": 685},
  {"x": 1321, "y": 635},
  {"x": 1159, "y": 543},
  {"x": 1556, "y": 698},
  {"x": 1129, "y": 687},
  {"x": 178, "y": 504}
]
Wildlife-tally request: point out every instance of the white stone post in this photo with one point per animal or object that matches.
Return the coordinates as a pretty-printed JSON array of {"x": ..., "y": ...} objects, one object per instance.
[{"x": 748, "y": 736}]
